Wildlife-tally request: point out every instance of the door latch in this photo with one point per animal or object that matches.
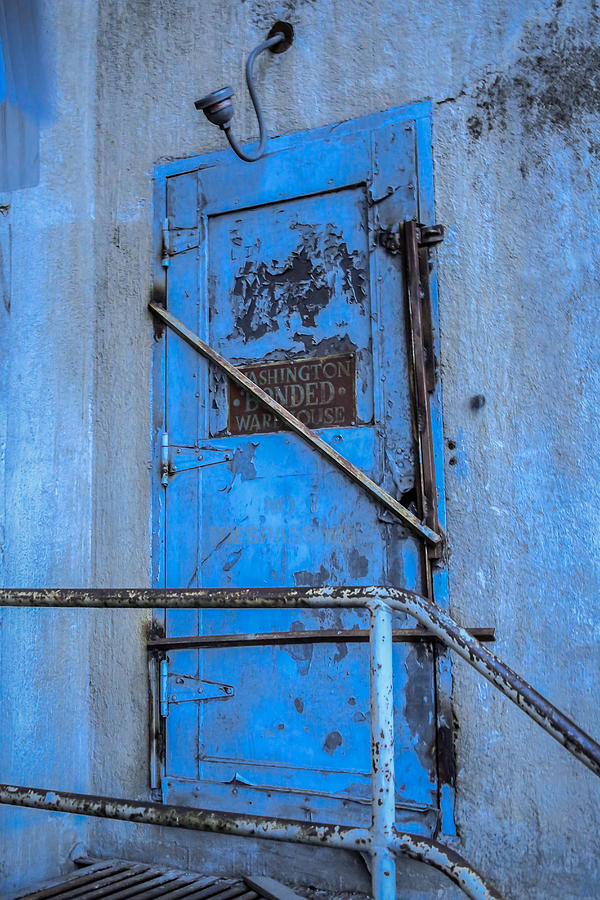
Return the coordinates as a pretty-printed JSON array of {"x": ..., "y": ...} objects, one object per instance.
[
  {"x": 183, "y": 457},
  {"x": 175, "y": 689},
  {"x": 427, "y": 235}
]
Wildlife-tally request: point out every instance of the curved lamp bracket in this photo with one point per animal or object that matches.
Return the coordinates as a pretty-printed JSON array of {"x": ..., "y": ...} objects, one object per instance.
[{"x": 218, "y": 107}]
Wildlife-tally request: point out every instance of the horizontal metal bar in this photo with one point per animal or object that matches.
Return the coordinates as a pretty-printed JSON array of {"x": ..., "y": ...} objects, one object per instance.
[
  {"x": 434, "y": 619},
  {"x": 274, "y": 829},
  {"x": 295, "y": 424},
  {"x": 198, "y": 598},
  {"x": 186, "y": 817},
  {"x": 283, "y": 638}
]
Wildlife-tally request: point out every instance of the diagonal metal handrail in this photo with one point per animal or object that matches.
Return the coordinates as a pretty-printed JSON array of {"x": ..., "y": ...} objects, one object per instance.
[
  {"x": 562, "y": 728},
  {"x": 425, "y": 850},
  {"x": 382, "y": 840},
  {"x": 517, "y": 689}
]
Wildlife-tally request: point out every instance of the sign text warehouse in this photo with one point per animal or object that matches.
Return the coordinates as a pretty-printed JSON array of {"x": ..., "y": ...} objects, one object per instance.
[{"x": 319, "y": 392}]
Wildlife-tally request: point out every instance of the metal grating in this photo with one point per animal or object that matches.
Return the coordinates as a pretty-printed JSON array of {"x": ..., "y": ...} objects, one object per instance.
[{"x": 120, "y": 880}]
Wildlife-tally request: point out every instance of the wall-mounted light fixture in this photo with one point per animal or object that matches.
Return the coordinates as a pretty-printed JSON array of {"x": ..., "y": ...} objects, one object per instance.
[{"x": 218, "y": 108}]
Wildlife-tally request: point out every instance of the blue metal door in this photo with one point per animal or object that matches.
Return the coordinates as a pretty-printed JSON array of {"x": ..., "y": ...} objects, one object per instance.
[{"x": 280, "y": 266}]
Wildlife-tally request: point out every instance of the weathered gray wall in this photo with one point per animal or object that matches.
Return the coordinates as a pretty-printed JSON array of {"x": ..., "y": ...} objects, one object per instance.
[
  {"x": 516, "y": 102},
  {"x": 47, "y": 324}
]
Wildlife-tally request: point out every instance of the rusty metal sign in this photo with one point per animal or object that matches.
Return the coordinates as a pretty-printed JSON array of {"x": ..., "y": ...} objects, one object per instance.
[{"x": 319, "y": 392}]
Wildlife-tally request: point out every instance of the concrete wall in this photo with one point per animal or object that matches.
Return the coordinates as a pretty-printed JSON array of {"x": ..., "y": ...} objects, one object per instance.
[
  {"x": 516, "y": 101},
  {"x": 47, "y": 328}
]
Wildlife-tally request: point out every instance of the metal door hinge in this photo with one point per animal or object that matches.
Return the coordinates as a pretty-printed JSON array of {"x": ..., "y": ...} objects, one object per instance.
[
  {"x": 177, "y": 240},
  {"x": 175, "y": 689},
  {"x": 183, "y": 457}
]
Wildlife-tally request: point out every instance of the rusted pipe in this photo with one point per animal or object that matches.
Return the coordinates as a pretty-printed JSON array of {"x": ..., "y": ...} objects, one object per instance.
[
  {"x": 383, "y": 786},
  {"x": 537, "y": 707},
  {"x": 447, "y": 861},
  {"x": 191, "y": 598},
  {"x": 549, "y": 717},
  {"x": 273, "y": 829}
]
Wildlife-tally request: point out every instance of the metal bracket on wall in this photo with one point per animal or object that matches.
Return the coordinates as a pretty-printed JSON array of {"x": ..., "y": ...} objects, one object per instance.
[
  {"x": 287, "y": 638},
  {"x": 187, "y": 689},
  {"x": 188, "y": 456}
]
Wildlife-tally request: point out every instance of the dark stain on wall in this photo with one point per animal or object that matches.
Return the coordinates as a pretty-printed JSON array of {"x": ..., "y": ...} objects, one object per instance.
[
  {"x": 358, "y": 565},
  {"x": 6, "y": 265},
  {"x": 302, "y": 653},
  {"x": 446, "y": 751},
  {"x": 553, "y": 82}
]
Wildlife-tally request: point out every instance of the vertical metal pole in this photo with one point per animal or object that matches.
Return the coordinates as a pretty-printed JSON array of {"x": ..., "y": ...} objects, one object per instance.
[{"x": 383, "y": 861}]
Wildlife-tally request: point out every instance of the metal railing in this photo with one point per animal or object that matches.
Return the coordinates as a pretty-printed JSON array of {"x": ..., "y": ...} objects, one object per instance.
[{"x": 382, "y": 841}]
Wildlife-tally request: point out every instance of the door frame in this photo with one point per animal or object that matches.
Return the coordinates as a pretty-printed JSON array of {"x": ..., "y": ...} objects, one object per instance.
[{"x": 420, "y": 114}]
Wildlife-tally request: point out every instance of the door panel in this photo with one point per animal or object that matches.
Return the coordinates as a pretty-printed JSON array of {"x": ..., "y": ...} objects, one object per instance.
[{"x": 279, "y": 266}]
